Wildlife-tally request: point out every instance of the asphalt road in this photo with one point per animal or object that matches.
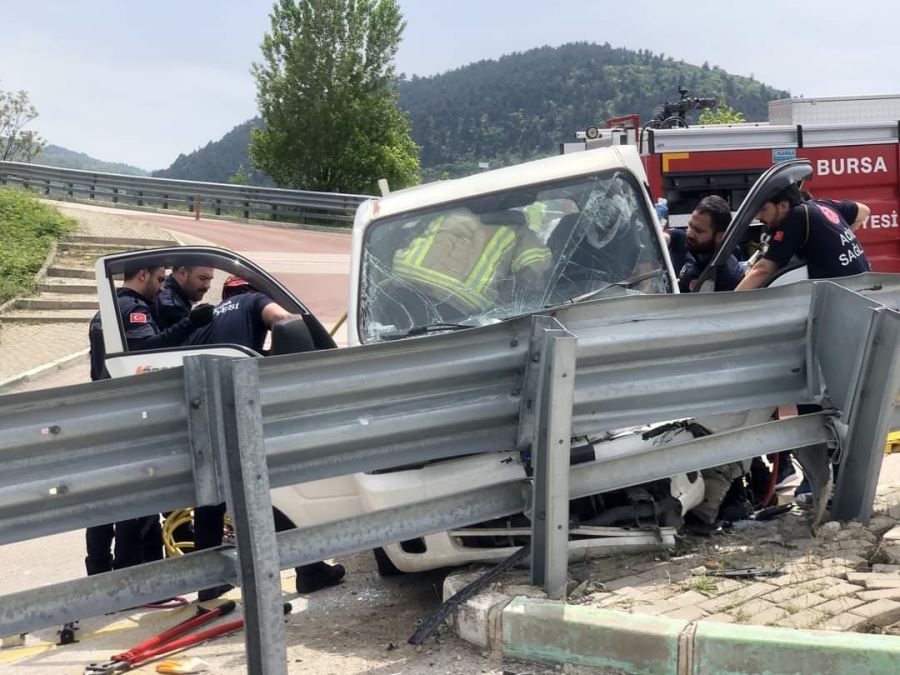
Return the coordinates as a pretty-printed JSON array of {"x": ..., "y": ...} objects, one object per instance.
[{"x": 315, "y": 266}]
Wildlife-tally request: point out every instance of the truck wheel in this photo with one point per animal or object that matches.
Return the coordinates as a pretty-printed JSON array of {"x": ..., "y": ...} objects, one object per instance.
[{"x": 385, "y": 567}]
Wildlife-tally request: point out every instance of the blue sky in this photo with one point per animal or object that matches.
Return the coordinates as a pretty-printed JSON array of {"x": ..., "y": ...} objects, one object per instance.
[{"x": 140, "y": 81}]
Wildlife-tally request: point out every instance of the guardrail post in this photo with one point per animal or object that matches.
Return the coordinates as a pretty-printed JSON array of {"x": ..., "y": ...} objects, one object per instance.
[
  {"x": 218, "y": 207},
  {"x": 93, "y": 188},
  {"x": 70, "y": 192},
  {"x": 140, "y": 198},
  {"x": 115, "y": 197},
  {"x": 246, "y": 210},
  {"x": 870, "y": 421},
  {"x": 203, "y": 394},
  {"x": 552, "y": 354},
  {"x": 165, "y": 201},
  {"x": 46, "y": 187},
  {"x": 250, "y": 505},
  {"x": 197, "y": 206}
]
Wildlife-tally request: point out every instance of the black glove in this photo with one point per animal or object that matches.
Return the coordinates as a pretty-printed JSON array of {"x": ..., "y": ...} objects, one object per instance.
[{"x": 201, "y": 315}]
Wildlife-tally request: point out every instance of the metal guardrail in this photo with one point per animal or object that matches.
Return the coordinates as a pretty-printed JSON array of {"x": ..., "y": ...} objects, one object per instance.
[
  {"x": 229, "y": 430},
  {"x": 220, "y": 199}
]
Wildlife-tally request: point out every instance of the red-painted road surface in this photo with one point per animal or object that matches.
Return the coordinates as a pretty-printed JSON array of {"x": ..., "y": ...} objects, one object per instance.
[{"x": 315, "y": 266}]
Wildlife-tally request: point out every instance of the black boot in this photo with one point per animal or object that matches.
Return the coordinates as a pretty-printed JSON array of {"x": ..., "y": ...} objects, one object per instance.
[
  {"x": 212, "y": 593},
  {"x": 311, "y": 578}
]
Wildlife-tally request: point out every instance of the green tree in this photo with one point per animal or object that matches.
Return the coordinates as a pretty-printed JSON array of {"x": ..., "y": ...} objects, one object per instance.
[
  {"x": 17, "y": 144},
  {"x": 327, "y": 97},
  {"x": 240, "y": 177},
  {"x": 723, "y": 114}
]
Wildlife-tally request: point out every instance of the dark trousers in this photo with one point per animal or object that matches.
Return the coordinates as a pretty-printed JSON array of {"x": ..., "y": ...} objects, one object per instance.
[
  {"x": 138, "y": 540},
  {"x": 208, "y": 524},
  {"x": 98, "y": 541},
  {"x": 135, "y": 541}
]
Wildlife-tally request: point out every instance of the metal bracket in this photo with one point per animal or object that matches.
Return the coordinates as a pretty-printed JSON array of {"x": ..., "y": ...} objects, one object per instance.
[
  {"x": 870, "y": 418},
  {"x": 839, "y": 324},
  {"x": 540, "y": 325},
  {"x": 551, "y": 435},
  {"x": 203, "y": 398}
]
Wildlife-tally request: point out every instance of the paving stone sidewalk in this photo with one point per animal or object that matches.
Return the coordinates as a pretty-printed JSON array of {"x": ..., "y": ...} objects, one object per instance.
[
  {"x": 108, "y": 223},
  {"x": 847, "y": 578}
]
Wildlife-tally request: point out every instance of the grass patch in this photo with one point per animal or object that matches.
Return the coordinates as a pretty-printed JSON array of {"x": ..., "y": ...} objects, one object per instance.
[
  {"x": 27, "y": 230},
  {"x": 741, "y": 615},
  {"x": 702, "y": 584}
]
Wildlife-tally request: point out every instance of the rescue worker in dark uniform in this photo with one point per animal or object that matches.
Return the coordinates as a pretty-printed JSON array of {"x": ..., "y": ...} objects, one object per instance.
[
  {"x": 822, "y": 233},
  {"x": 183, "y": 287},
  {"x": 676, "y": 240},
  {"x": 243, "y": 318},
  {"x": 186, "y": 285},
  {"x": 137, "y": 540},
  {"x": 695, "y": 248},
  {"x": 706, "y": 230},
  {"x": 819, "y": 231}
]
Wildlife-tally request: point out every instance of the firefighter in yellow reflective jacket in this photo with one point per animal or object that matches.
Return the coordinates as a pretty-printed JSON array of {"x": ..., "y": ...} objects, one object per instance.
[{"x": 466, "y": 265}]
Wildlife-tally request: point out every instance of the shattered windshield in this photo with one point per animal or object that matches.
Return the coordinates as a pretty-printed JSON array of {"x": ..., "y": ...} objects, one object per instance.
[{"x": 491, "y": 257}]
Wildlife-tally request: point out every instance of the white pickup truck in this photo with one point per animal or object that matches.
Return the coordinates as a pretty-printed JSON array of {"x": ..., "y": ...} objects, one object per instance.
[{"x": 590, "y": 210}]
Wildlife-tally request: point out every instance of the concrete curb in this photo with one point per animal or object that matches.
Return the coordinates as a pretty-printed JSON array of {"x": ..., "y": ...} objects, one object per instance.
[
  {"x": 733, "y": 648},
  {"x": 28, "y": 375},
  {"x": 552, "y": 632}
]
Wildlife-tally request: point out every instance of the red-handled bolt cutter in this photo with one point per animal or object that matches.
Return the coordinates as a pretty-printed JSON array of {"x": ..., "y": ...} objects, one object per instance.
[{"x": 165, "y": 642}]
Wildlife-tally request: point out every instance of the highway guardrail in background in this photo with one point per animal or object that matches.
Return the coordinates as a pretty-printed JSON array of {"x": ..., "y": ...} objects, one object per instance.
[{"x": 218, "y": 199}]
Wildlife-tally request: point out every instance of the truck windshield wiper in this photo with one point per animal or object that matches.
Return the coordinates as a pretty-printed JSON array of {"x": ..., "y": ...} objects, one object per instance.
[
  {"x": 626, "y": 283},
  {"x": 423, "y": 330},
  {"x": 433, "y": 327}
]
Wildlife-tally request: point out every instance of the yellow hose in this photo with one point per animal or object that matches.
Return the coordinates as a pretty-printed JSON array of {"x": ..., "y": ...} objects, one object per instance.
[{"x": 175, "y": 520}]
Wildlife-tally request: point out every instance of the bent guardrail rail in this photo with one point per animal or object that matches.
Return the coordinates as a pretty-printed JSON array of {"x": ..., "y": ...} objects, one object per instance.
[
  {"x": 221, "y": 430},
  {"x": 220, "y": 199}
]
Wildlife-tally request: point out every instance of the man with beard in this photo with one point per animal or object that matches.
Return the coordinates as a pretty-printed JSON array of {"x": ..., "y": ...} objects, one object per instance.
[
  {"x": 706, "y": 230},
  {"x": 184, "y": 286},
  {"x": 137, "y": 540},
  {"x": 817, "y": 231},
  {"x": 821, "y": 232},
  {"x": 243, "y": 318}
]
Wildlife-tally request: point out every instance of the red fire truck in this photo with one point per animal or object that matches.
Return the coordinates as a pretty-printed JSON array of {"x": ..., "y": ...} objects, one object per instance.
[{"x": 852, "y": 143}]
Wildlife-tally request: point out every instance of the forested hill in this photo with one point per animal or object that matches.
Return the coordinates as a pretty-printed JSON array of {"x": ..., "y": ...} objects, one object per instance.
[
  {"x": 218, "y": 161},
  {"x": 519, "y": 107},
  {"x": 523, "y": 105},
  {"x": 54, "y": 155}
]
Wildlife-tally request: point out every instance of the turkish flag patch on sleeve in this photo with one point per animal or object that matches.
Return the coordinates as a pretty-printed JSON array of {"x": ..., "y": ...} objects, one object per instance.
[
  {"x": 779, "y": 236},
  {"x": 137, "y": 317}
]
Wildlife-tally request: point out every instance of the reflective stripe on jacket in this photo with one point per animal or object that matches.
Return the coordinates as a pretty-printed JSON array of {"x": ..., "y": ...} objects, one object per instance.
[{"x": 463, "y": 258}]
